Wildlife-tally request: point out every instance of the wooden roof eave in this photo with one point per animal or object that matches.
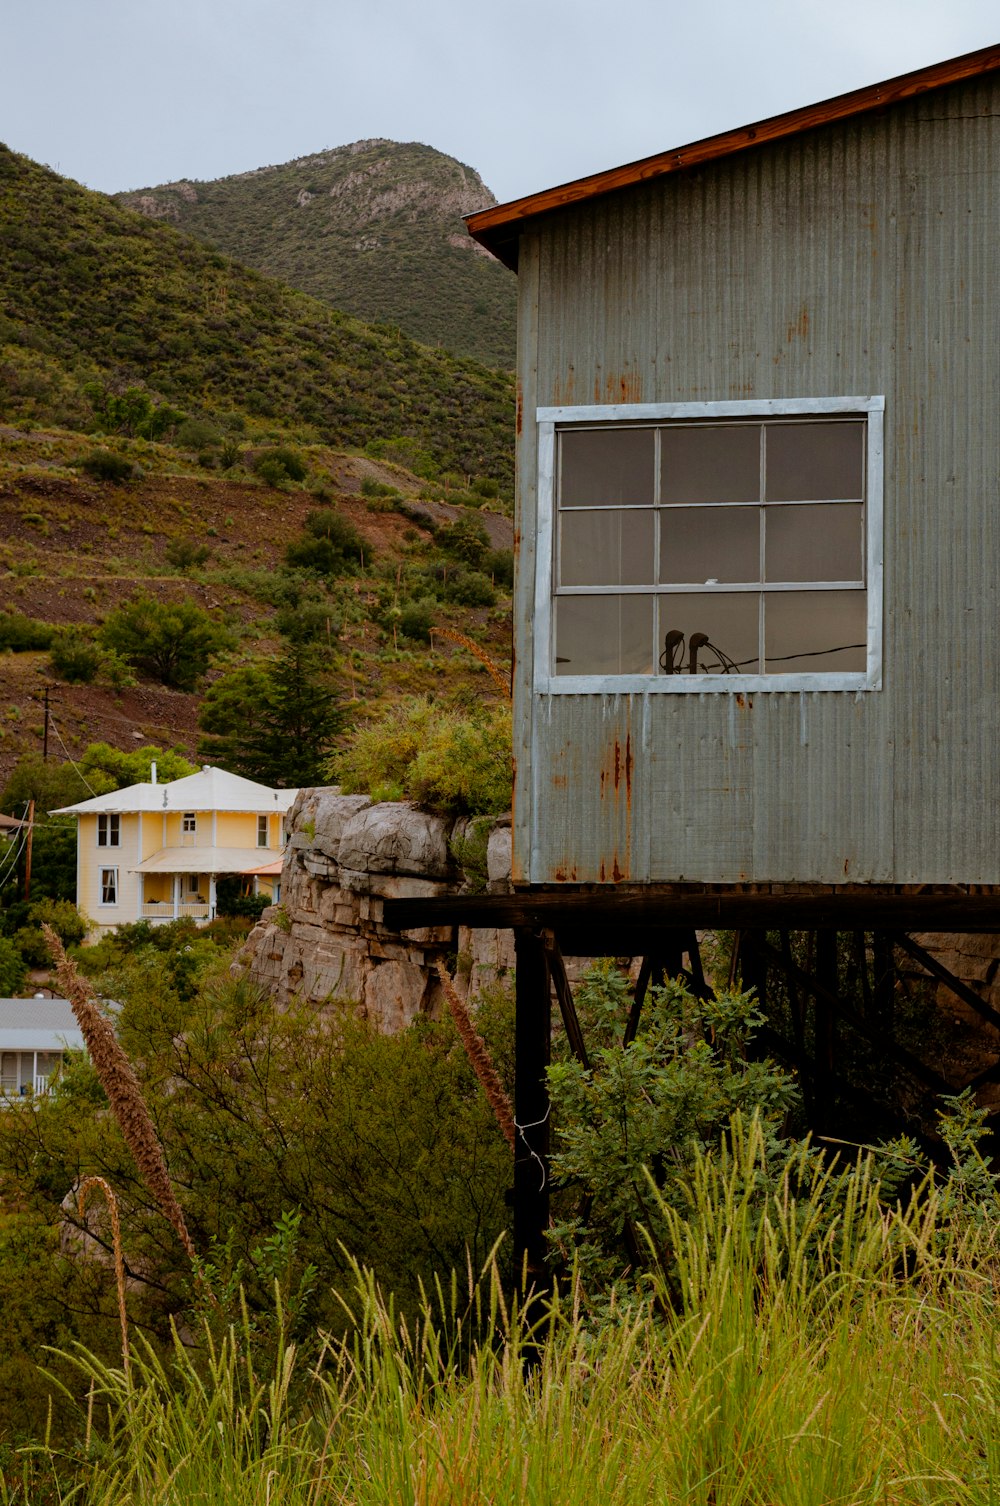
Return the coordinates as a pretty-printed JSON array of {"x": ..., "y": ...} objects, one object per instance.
[{"x": 499, "y": 228}]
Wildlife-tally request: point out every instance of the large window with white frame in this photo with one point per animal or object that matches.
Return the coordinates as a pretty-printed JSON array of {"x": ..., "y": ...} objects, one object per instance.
[
  {"x": 711, "y": 546},
  {"x": 109, "y": 886}
]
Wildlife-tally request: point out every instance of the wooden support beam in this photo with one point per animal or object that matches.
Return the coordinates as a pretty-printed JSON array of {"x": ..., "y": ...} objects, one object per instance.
[
  {"x": 941, "y": 973},
  {"x": 532, "y": 1040},
  {"x": 913, "y": 1064},
  {"x": 564, "y": 998}
]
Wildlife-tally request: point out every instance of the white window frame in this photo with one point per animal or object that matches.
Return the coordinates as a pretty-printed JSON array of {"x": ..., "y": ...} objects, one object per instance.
[
  {"x": 550, "y": 420},
  {"x": 263, "y": 831},
  {"x": 104, "y": 886},
  {"x": 109, "y": 829},
  {"x": 189, "y": 822},
  {"x": 193, "y": 884}
]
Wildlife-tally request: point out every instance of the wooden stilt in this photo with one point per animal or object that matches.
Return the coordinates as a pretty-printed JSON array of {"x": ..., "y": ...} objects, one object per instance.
[
  {"x": 532, "y": 1035},
  {"x": 564, "y": 997}
]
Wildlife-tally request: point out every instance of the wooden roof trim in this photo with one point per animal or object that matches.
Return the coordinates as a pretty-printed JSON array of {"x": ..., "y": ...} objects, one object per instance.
[{"x": 497, "y": 228}]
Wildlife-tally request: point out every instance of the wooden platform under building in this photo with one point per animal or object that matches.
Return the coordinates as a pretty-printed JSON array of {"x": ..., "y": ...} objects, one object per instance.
[{"x": 662, "y": 926}]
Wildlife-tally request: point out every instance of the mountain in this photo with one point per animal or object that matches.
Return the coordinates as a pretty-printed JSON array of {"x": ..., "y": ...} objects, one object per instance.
[
  {"x": 374, "y": 228},
  {"x": 97, "y": 299}
]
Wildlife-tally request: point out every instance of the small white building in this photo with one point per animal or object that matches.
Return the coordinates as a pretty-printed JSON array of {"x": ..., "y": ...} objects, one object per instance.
[{"x": 35, "y": 1035}]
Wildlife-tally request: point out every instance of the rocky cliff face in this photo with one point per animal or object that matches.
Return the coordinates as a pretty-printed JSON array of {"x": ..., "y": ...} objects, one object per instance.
[{"x": 326, "y": 942}]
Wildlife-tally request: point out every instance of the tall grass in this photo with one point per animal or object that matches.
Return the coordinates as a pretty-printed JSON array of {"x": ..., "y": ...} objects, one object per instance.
[{"x": 819, "y": 1349}]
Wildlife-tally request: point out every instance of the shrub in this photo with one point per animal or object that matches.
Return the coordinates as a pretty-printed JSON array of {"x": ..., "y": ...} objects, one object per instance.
[
  {"x": 280, "y": 464},
  {"x": 104, "y": 465},
  {"x": 198, "y": 434},
  {"x": 466, "y": 539},
  {"x": 447, "y": 761},
  {"x": 416, "y": 618},
  {"x": 13, "y": 972},
  {"x": 64, "y": 918},
  {"x": 499, "y": 563},
  {"x": 185, "y": 554},
  {"x": 21, "y": 634},
  {"x": 470, "y": 588},
  {"x": 330, "y": 544},
  {"x": 75, "y": 657}
]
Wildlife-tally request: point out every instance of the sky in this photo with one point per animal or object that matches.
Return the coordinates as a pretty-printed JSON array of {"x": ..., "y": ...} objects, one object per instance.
[{"x": 123, "y": 94}]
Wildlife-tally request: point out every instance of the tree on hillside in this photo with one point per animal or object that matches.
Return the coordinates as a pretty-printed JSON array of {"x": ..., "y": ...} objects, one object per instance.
[
  {"x": 274, "y": 722},
  {"x": 174, "y": 641}
]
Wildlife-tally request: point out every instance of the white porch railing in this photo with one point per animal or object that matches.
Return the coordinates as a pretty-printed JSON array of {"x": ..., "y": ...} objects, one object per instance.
[{"x": 164, "y": 909}]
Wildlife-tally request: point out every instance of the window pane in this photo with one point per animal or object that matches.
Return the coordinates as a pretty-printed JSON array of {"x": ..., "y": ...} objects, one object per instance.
[
  {"x": 710, "y": 463},
  {"x": 606, "y": 468},
  {"x": 604, "y": 635},
  {"x": 606, "y": 548},
  {"x": 815, "y": 631},
  {"x": 730, "y": 623},
  {"x": 814, "y": 543},
  {"x": 806, "y": 461},
  {"x": 703, "y": 544}
]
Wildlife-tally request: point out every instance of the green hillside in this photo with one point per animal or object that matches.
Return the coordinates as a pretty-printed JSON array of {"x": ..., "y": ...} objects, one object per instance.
[
  {"x": 94, "y": 298},
  {"x": 374, "y": 228}
]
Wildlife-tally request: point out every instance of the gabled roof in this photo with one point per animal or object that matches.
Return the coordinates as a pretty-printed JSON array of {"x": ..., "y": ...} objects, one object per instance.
[
  {"x": 209, "y": 790},
  {"x": 498, "y": 228}
]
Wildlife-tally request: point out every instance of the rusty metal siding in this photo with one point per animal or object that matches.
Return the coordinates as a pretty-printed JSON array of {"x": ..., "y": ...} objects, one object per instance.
[{"x": 859, "y": 258}]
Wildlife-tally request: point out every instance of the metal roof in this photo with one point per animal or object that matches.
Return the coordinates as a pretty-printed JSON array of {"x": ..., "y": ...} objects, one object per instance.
[
  {"x": 499, "y": 228},
  {"x": 209, "y": 790},
  {"x": 39, "y": 1025},
  {"x": 205, "y": 860}
]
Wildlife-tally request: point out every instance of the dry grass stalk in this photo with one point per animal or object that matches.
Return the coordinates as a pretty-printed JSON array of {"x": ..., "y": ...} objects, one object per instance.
[
  {"x": 496, "y": 673},
  {"x": 116, "y": 1242},
  {"x": 478, "y": 1054},
  {"x": 119, "y": 1081}
]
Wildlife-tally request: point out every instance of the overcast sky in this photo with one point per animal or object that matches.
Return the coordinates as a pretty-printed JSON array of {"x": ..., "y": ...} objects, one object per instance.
[{"x": 128, "y": 93}]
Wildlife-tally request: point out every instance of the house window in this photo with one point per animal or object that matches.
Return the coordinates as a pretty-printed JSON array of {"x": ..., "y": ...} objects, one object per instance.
[
  {"x": 109, "y": 886},
  {"x": 189, "y": 822},
  {"x": 261, "y": 831},
  {"x": 193, "y": 883},
  {"x": 711, "y": 546},
  {"x": 109, "y": 831}
]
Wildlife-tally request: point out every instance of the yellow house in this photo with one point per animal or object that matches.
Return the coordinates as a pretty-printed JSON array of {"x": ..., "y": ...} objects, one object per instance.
[{"x": 154, "y": 851}]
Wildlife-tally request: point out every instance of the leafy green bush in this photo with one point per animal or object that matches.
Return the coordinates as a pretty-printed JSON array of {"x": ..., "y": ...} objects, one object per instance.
[
  {"x": 185, "y": 554},
  {"x": 198, "y": 434},
  {"x": 174, "y": 641},
  {"x": 13, "y": 970},
  {"x": 75, "y": 657},
  {"x": 105, "y": 465},
  {"x": 499, "y": 564},
  {"x": 330, "y": 544},
  {"x": 280, "y": 464},
  {"x": 466, "y": 539},
  {"x": 64, "y": 918},
  {"x": 416, "y": 618},
  {"x": 20, "y": 634},
  {"x": 470, "y": 588},
  {"x": 445, "y": 760}
]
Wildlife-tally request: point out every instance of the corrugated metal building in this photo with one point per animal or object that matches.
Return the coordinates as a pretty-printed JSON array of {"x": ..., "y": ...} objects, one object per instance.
[{"x": 759, "y": 502}]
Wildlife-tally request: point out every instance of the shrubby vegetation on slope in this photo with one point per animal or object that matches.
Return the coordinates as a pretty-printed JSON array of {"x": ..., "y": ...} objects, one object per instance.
[
  {"x": 97, "y": 299},
  {"x": 373, "y": 228}
]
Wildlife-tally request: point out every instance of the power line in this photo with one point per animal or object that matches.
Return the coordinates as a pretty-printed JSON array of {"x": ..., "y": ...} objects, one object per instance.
[{"x": 69, "y": 755}]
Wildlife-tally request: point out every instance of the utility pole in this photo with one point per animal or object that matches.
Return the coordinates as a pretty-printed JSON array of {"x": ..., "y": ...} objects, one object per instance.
[
  {"x": 27, "y": 851},
  {"x": 45, "y": 734}
]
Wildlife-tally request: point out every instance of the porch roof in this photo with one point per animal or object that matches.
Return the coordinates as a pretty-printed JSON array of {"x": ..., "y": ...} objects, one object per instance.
[{"x": 203, "y": 860}]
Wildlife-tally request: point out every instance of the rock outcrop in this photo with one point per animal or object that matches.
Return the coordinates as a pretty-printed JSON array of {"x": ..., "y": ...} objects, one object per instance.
[{"x": 326, "y": 942}]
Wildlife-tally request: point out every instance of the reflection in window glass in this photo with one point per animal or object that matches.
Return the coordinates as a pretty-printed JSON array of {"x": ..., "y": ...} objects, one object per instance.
[
  {"x": 813, "y": 631},
  {"x": 814, "y": 543},
  {"x": 814, "y": 461},
  {"x": 613, "y": 548},
  {"x": 702, "y": 544},
  {"x": 606, "y": 468},
  {"x": 604, "y": 635},
  {"x": 710, "y": 463},
  {"x": 721, "y": 631}
]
